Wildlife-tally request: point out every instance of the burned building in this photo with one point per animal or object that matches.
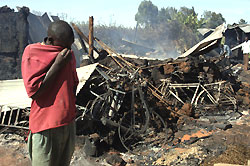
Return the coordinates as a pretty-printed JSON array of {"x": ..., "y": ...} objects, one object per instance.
[
  {"x": 13, "y": 40},
  {"x": 17, "y": 30},
  {"x": 234, "y": 36}
]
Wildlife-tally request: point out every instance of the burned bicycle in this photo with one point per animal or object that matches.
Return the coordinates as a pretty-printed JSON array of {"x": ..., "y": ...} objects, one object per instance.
[
  {"x": 206, "y": 98},
  {"x": 118, "y": 100}
]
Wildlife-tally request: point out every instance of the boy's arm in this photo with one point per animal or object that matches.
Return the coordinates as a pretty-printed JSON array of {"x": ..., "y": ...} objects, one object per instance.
[{"x": 62, "y": 58}]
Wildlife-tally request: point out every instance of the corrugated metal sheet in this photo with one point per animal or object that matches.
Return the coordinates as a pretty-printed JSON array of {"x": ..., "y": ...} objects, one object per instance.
[
  {"x": 83, "y": 74},
  {"x": 246, "y": 28},
  {"x": 209, "y": 41},
  {"x": 13, "y": 93},
  {"x": 55, "y": 18},
  {"x": 37, "y": 31},
  {"x": 204, "y": 31}
]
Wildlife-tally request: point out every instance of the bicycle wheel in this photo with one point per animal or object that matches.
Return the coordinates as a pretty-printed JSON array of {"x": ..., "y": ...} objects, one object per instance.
[
  {"x": 130, "y": 130},
  {"x": 134, "y": 122},
  {"x": 215, "y": 103},
  {"x": 100, "y": 106},
  {"x": 136, "y": 140}
]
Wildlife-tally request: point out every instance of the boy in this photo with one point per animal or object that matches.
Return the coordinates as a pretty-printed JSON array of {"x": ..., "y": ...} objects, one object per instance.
[{"x": 50, "y": 79}]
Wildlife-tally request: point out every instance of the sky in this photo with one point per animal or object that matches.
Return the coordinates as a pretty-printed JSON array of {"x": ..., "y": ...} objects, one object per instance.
[{"x": 122, "y": 12}]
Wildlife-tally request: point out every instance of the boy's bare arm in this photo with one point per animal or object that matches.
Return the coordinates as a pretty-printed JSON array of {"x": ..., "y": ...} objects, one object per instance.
[{"x": 62, "y": 58}]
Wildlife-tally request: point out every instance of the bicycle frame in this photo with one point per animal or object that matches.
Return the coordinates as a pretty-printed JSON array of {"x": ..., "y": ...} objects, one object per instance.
[{"x": 166, "y": 86}]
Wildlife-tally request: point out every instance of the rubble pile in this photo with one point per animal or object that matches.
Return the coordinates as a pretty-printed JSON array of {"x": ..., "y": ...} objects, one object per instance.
[
  {"x": 111, "y": 92},
  {"x": 127, "y": 115},
  {"x": 154, "y": 112}
]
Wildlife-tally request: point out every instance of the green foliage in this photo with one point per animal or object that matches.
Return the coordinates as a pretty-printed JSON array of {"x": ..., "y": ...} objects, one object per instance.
[
  {"x": 172, "y": 28},
  {"x": 212, "y": 19},
  {"x": 147, "y": 12},
  {"x": 189, "y": 18},
  {"x": 168, "y": 29},
  {"x": 242, "y": 21}
]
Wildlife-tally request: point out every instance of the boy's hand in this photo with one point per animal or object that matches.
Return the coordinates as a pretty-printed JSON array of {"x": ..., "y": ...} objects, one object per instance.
[{"x": 63, "y": 57}]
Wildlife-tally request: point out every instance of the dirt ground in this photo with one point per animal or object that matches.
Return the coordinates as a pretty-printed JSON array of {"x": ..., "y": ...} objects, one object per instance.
[
  {"x": 13, "y": 150},
  {"x": 237, "y": 142},
  {"x": 232, "y": 147}
]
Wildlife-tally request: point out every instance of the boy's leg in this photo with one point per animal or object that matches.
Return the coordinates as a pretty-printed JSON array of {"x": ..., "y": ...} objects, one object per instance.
[
  {"x": 63, "y": 140},
  {"x": 68, "y": 147},
  {"x": 39, "y": 145},
  {"x": 53, "y": 147}
]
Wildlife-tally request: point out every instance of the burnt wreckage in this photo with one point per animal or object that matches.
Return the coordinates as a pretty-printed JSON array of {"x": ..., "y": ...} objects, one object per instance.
[
  {"x": 144, "y": 102},
  {"x": 146, "y": 109}
]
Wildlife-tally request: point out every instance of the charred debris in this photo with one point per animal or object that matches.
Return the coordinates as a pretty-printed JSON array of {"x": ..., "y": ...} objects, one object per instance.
[
  {"x": 134, "y": 104},
  {"x": 137, "y": 104}
]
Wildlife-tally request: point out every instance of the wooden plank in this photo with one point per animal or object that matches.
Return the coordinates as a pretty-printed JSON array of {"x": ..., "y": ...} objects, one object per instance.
[
  {"x": 11, "y": 112},
  {"x": 4, "y": 129},
  {"x": 18, "y": 112},
  {"x": 91, "y": 37},
  {"x": 110, "y": 53},
  {"x": 13, "y": 126},
  {"x": 4, "y": 114},
  {"x": 85, "y": 38}
]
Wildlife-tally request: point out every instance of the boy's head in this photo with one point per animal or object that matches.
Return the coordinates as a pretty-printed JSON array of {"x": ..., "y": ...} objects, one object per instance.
[{"x": 60, "y": 34}]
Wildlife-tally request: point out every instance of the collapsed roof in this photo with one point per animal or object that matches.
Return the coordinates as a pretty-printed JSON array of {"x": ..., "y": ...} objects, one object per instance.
[
  {"x": 244, "y": 27},
  {"x": 206, "y": 44}
]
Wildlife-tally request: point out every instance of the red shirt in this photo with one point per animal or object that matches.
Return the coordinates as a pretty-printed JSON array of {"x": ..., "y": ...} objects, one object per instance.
[{"x": 56, "y": 106}]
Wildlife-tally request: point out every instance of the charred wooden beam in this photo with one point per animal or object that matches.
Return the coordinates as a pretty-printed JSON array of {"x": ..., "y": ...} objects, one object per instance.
[
  {"x": 106, "y": 121},
  {"x": 80, "y": 37},
  {"x": 91, "y": 38},
  {"x": 4, "y": 129},
  {"x": 105, "y": 67},
  {"x": 110, "y": 53},
  {"x": 85, "y": 38},
  {"x": 82, "y": 44}
]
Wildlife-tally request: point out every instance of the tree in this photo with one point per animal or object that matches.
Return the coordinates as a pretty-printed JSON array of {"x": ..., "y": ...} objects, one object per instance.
[
  {"x": 172, "y": 29},
  {"x": 189, "y": 17},
  {"x": 242, "y": 21},
  {"x": 212, "y": 19},
  {"x": 166, "y": 14},
  {"x": 147, "y": 14}
]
